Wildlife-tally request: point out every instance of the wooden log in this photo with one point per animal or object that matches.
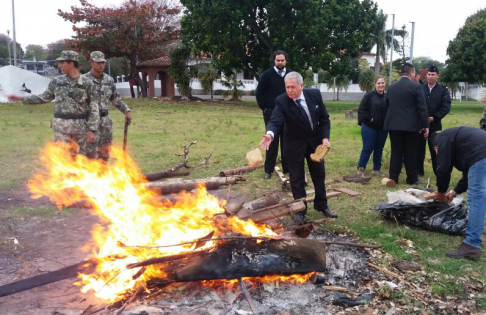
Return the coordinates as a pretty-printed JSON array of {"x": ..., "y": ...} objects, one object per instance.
[
  {"x": 283, "y": 180},
  {"x": 347, "y": 191},
  {"x": 165, "y": 174},
  {"x": 233, "y": 207},
  {"x": 211, "y": 183},
  {"x": 266, "y": 201},
  {"x": 86, "y": 266},
  {"x": 239, "y": 170},
  {"x": 236, "y": 259},
  {"x": 276, "y": 211}
]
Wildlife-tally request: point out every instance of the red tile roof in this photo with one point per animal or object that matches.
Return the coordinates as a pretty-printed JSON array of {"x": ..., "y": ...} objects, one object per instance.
[{"x": 159, "y": 62}]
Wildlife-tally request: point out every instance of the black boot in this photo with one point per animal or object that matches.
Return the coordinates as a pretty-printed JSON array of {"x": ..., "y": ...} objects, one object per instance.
[{"x": 465, "y": 251}]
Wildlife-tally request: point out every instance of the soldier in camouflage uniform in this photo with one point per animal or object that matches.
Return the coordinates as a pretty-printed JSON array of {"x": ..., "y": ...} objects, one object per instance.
[
  {"x": 106, "y": 93},
  {"x": 76, "y": 112}
]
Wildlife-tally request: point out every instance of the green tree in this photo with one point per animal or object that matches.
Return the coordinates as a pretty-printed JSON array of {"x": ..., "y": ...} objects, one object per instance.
[
  {"x": 207, "y": 75},
  {"x": 5, "y": 41},
  {"x": 54, "y": 49},
  {"x": 385, "y": 72},
  {"x": 232, "y": 83},
  {"x": 308, "y": 77},
  {"x": 367, "y": 80},
  {"x": 467, "y": 52},
  {"x": 425, "y": 62},
  {"x": 243, "y": 34},
  {"x": 36, "y": 51},
  {"x": 179, "y": 71}
]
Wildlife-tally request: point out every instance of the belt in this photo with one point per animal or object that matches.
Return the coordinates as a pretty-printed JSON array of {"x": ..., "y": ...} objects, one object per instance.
[
  {"x": 70, "y": 116},
  {"x": 103, "y": 113}
]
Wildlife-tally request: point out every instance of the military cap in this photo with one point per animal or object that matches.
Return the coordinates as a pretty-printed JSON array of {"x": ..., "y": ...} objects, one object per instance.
[
  {"x": 97, "y": 56},
  {"x": 433, "y": 68},
  {"x": 68, "y": 55}
]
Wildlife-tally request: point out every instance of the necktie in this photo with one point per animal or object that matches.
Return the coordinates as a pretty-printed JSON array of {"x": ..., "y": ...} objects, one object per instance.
[
  {"x": 302, "y": 110},
  {"x": 280, "y": 73}
]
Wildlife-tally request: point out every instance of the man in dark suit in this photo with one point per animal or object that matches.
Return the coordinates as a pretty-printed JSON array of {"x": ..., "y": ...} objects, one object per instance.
[
  {"x": 307, "y": 126},
  {"x": 406, "y": 116},
  {"x": 438, "y": 106},
  {"x": 271, "y": 85}
]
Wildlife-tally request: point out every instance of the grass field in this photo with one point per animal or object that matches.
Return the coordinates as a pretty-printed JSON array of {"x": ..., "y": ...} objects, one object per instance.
[{"x": 228, "y": 130}]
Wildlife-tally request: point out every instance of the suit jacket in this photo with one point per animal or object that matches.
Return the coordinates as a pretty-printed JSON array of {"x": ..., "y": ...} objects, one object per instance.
[
  {"x": 406, "y": 107},
  {"x": 296, "y": 133},
  {"x": 270, "y": 85}
]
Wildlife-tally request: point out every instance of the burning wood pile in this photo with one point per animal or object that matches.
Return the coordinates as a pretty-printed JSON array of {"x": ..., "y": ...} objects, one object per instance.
[{"x": 147, "y": 243}]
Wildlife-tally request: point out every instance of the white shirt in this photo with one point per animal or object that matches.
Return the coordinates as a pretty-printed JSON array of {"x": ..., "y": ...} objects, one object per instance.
[
  {"x": 283, "y": 73},
  {"x": 303, "y": 103},
  {"x": 430, "y": 88}
]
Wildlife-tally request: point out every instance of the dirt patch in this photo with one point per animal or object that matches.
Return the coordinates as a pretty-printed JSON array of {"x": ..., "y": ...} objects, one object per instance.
[{"x": 20, "y": 197}]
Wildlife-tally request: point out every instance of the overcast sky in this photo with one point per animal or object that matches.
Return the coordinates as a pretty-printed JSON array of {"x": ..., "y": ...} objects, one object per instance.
[{"x": 436, "y": 21}]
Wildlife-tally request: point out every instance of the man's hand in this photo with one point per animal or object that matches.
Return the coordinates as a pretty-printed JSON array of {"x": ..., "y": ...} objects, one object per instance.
[
  {"x": 450, "y": 195},
  {"x": 326, "y": 143},
  {"x": 426, "y": 132},
  {"x": 431, "y": 119},
  {"x": 91, "y": 137},
  {"x": 14, "y": 98},
  {"x": 440, "y": 197},
  {"x": 128, "y": 117},
  {"x": 265, "y": 143}
]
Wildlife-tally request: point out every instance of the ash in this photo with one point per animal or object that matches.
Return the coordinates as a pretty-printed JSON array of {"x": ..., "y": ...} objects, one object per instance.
[{"x": 346, "y": 267}]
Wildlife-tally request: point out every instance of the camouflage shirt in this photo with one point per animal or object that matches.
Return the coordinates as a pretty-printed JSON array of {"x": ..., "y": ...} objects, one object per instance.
[
  {"x": 72, "y": 98},
  {"x": 105, "y": 90}
]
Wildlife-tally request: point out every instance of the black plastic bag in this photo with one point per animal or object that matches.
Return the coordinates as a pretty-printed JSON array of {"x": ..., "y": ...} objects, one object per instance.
[{"x": 434, "y": 216}]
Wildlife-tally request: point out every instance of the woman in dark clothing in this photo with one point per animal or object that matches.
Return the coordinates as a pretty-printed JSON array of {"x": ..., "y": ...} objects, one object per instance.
[{"x": 371, "y": 116}]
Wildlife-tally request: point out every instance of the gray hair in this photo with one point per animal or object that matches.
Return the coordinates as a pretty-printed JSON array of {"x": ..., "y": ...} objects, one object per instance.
[{"x": 296, "y": 76}]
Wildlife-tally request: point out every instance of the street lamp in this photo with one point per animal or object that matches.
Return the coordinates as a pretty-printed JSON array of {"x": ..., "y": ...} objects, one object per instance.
[
  {"x": 411, "y": 43},
  {"x": 8, "y": 44},
  {"x": 391, "y": 53},
  {"x": 14, "y": 38}
]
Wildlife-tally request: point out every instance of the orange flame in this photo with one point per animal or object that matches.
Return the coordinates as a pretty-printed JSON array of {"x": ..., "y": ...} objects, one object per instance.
[{"x": 131, "y": 214}]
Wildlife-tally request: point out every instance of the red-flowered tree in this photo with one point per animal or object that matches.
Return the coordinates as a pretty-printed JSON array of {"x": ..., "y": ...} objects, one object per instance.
[{"x": 133, "y": 30}]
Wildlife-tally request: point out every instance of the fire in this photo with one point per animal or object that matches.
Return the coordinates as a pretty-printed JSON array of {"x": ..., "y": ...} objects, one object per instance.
[{"x": 132, "y": 216}]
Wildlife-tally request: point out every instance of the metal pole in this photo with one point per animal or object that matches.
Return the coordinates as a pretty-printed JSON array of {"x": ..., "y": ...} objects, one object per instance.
[
  {"x": 392, "y": 48},
  {"x": 8, "y": 43},
  {"x": 411, "y": 44},
  {"x": 14, "y": 38}
]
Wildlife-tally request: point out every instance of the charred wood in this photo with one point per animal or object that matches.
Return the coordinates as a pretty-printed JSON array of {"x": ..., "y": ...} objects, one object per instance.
[
  {"x": 165, "y": 174},
  {"x": 211, "y": 183}
]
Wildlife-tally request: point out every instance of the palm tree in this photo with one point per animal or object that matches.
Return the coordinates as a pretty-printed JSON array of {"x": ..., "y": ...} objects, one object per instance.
[
  {"x": 232, "y": 83},
  {"x": 207, "y": 76},
  {"x": 382, "y": 39},
  {"x": 338, "y": 82}
]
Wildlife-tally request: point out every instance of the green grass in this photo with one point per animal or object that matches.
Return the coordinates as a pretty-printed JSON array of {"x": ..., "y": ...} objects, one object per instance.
[{"x": 160, "y": 130}]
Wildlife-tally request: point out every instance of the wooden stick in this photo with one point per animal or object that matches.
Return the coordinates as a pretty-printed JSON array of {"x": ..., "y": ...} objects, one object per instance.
[
  {"x": 247, "y": 296},
  {"x": 125, "y": 136},
  {"x": 385, "y": 271}
]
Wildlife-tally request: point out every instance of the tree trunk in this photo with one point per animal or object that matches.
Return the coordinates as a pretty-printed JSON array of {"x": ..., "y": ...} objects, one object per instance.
[{"x": 377, "y": 59}]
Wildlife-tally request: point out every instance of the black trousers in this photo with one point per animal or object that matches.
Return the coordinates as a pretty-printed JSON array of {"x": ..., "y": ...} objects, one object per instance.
[
  {"x": 404, "y": 146},
  {"x": 272, "y": 152},
  {"x": 421, "y": 150},
  {"x": 296, "y": 165}
]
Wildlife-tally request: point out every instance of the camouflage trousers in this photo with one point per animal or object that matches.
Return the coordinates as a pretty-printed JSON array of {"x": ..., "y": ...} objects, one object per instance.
[
  {"x": 100, "y": 149},
  {"x": 80, "y": 139}
]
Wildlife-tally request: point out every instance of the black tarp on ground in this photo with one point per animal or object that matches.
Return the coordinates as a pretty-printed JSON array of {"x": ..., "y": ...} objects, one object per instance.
[{"x": 434, "y": 216}]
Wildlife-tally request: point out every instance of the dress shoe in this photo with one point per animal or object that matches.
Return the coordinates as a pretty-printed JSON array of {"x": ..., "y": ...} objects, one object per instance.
[
  {"x": 328, "y": 213},
  {"x": 417, "y": 183},
  {"x": 465, "y": 251},
  {"x": 299, "y": 218},
  {"x": 267, "y": 175}
]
